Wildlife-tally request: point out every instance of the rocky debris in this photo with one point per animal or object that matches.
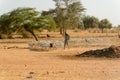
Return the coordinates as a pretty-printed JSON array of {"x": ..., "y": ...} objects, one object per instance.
[
  {"x": 13, "y": 47},
  {"x": 29, "y": 76},
  {"x": 36, "y": 45},
  {"x": 90, "y": 40},
  {"x": 58, "y": 43},
  {"x": 111, "y": 52},
  {"x": 31, "y": 72},
  {"x": 45, "y": 44}
]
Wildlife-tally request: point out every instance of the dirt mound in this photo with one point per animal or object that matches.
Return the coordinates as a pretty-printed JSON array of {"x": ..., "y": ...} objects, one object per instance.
[{"x": 111, "y": 52}]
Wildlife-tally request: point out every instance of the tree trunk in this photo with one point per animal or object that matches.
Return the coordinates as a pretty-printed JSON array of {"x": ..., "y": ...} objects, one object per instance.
[
  {"x": 61, "y": 31},
  {"x": 32, "y": 32},
  {"x": 0, "y": 36},
  {"x": 102, "y": 29}
]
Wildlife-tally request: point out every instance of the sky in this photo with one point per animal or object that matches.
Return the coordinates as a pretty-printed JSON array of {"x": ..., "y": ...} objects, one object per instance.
[
  {"x": 99, "y": 8},
  {"x": 109, "y": 9},
  {"x": 9, "y": 5}
]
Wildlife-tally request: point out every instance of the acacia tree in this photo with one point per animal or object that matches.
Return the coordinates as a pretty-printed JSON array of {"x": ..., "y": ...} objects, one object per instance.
[
  {"x": 27, "y": 19},
  {"x": 90, "y": 22},
  {"x": 70, "y": 10},
  {"x": 5, "y": 25},
  {"x": 66, "y": 14},
  {"x": 74, "y": 14},
  {"x": 105, "y": 23},
  {"x": 48, "y": 23}
]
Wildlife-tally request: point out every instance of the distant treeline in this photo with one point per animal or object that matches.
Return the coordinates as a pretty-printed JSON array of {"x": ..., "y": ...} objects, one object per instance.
[{"x": 67, "y": 14}]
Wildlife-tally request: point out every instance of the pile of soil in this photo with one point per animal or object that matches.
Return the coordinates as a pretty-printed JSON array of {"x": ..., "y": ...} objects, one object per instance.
[{"x": 111, "y": 52}]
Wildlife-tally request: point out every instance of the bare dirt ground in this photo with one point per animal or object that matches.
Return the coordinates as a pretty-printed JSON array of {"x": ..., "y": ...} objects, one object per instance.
[{"x": 17, "y": 62}]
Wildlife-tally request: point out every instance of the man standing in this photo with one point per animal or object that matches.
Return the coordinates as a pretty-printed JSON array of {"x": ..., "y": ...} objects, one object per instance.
[{"x": 66, "y": 38}]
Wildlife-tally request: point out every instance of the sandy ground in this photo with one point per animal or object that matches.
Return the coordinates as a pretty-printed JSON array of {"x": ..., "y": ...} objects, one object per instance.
[
  {"x": 18, "y": 64},
  {"x": 24, "y": 64}
]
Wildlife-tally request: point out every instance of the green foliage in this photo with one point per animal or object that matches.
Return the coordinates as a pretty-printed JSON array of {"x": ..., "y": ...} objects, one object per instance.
[
  {"x": 66, "y": 14},
  {"x": 25, "y": 19},
  {"x": 105, "y": 23},
  {"x": 74, "y": 14},
  {"x": 48, "y": 23},
  {"x": 93, "y": 22},
  {"x": 5, "y": 24},
  {"x": 90, "y": 22},
  {"x": 118, "y": 26}
]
